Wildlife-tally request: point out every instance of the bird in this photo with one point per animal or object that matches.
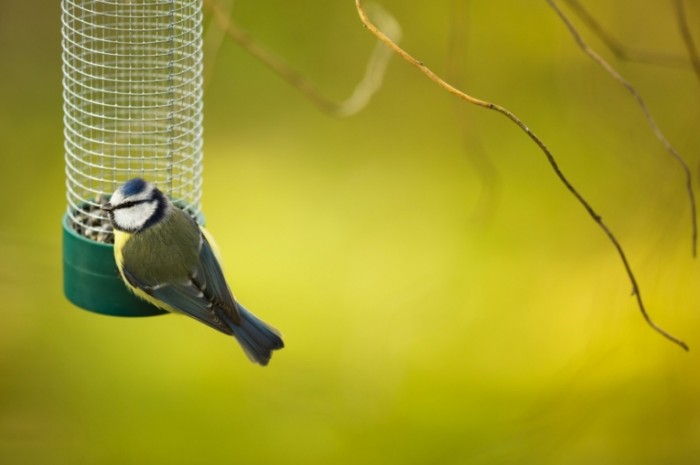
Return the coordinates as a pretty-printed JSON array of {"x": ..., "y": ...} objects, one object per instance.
[{"x": 167, "y": 259}]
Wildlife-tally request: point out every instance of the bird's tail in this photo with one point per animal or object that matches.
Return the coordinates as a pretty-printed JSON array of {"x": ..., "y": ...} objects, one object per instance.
[{"x": 257, "y": 338}]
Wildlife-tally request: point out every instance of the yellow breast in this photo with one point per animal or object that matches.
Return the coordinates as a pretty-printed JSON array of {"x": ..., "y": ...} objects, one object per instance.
[{"x": 120, "y": 239}]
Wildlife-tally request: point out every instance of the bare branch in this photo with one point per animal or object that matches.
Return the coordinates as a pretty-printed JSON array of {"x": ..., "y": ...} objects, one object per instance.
[
  {"x": 364, "y": 90},
  {"x": 212, "y": 42},
  {"x": 647, "y": 114},
  {"x": 550, "y": 158},
  {"x": 636, "y": 56},
  {"x": 478, "y": 158},
  {"x": 687, "y": 37}
]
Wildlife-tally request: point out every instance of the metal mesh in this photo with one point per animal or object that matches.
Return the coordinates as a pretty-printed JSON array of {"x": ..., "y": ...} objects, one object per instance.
[{"x": 132, "y": 80}]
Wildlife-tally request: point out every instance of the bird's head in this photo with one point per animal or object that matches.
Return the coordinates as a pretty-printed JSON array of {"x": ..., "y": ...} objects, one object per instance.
[{"x": 137, "y": 205}]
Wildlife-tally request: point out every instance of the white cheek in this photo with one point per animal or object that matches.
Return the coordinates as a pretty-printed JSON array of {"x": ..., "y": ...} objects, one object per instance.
[
  {"x": 135, "y": 217},
  {"x": 116, "y": 198}
]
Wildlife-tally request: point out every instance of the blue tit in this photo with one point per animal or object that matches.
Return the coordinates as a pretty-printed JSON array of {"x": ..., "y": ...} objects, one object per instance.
[{"x": 166, "y": 258}]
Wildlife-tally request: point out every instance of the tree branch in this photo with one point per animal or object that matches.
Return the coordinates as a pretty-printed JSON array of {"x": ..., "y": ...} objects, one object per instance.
[
  {"x": 550, "y": 158},
  {"x": 213, "y": 39},
  {"x": 479, "y": 159},
  {"x": 364, "y": 90},
  {"x": 647, "y": 114},
  {"x": 636, "y": 56},
  {"x": 687, "y": 37}
]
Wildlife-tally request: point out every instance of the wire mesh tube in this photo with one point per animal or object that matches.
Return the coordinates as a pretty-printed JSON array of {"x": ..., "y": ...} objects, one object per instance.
[
  {"x": 132, "y": 86},
  {"x": 132, "y": 79}
]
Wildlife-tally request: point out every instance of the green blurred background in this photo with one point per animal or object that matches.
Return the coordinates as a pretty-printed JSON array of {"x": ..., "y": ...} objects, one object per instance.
[{"x": 442, "y": 297}]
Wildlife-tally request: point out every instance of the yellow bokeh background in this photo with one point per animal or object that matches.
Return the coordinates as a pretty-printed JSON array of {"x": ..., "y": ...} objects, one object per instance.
[{"x": 434, "y": 311}]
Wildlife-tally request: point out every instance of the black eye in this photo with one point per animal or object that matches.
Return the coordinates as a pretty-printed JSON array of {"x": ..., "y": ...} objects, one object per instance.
[{"x": 129, "y": 204}]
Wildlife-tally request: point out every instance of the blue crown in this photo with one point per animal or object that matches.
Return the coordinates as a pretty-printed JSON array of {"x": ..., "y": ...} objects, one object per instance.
[{"x": 134, "y": 187}]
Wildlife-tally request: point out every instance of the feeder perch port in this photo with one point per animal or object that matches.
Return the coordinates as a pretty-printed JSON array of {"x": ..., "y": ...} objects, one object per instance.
[{"x": 132, "y": 94}]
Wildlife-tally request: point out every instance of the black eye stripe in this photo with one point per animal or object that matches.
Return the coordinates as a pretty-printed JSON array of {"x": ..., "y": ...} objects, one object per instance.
[{"x": 131, "y": 204}]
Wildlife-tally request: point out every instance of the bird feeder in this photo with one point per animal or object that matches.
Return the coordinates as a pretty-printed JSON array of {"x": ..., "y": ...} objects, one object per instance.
[{"x": 132, "y": 88}]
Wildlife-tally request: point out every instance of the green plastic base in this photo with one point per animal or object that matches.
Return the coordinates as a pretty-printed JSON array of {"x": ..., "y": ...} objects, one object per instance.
[{"x": 91, "y": 279}]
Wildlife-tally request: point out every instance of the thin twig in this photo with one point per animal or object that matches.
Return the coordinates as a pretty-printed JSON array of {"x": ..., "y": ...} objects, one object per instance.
[
  {"x": 212, "y": 43},
  {"x": 647, "y": 114},
  {"x": 687, "y": 37},
  {"x": 636, "y": 56},
  {"x": 478, "y": 158},
  {"x": 550, "y": 158},
  {"x": 364, "y": 90}
]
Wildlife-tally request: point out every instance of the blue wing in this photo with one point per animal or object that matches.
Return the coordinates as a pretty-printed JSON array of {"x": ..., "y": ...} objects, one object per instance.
[{"x": 204, "y": 295}]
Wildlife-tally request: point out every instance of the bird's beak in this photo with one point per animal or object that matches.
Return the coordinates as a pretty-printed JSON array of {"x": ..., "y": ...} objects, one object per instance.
[{"x": 107, "y": 207}]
